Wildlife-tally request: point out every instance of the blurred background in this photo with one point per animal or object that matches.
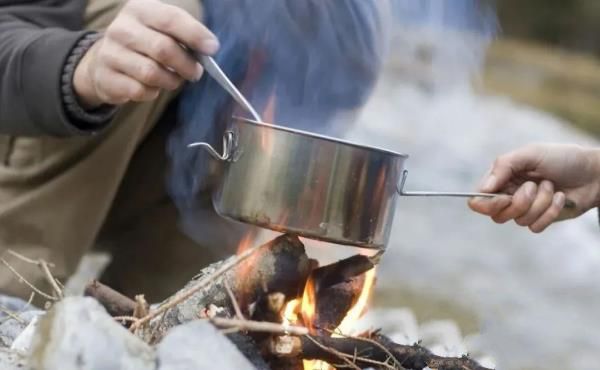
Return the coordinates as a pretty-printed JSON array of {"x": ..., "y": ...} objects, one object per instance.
[{"x": 466, "y": 81}]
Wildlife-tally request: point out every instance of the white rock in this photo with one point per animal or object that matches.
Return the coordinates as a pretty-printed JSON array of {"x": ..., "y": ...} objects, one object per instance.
[
  {"x": 24, "y": 340},
  {"x": 198, "y": 345},
  {"x": 10, "y": 360},
  {"x": 78, "y": 334}
]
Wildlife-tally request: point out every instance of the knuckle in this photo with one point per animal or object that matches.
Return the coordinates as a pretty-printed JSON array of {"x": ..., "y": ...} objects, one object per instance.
[
  {"x": 162, "y": 49},
  {"x": 117, "y": 30},
  {"x": 499, "y": 220},
  {"x": 536, "y": 229},
  {"x": 501, "y": 161},
  {"x": 521, "y": 221},
  {"x": 168, "y": 18},
  {"x": 149, "y": 73},
  {"x": 137, "y": 92}
]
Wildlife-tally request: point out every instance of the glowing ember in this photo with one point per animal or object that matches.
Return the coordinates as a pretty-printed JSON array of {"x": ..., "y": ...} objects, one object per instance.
[{"x": 290, "y": 315}]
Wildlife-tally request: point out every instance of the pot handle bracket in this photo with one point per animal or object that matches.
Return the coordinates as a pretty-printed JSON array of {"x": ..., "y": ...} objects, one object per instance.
[{"x": 231, "y": 152}]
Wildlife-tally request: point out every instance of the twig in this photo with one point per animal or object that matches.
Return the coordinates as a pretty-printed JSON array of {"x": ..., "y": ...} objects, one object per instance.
[
  {"x": 44, "y": 266},
  {"x": 126, "y": 318},
  {"x": 200, "y": 284},
  {"x": 115, "y": 303},
  {"x": 259, "y": 326},
  {"x": 234, "y": 303},
  {"x": 11, "y": 314},
  {"x": 26, "y": 259},
  {"x": 342, "y": 356},
  {"x": 373, "y": 342},
  {"x": 31, "y": 286}
]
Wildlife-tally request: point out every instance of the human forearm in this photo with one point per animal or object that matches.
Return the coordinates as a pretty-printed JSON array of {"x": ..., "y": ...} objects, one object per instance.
[
  {"x": 31, "y": 65},
  {"x": 594, "y": 164}
]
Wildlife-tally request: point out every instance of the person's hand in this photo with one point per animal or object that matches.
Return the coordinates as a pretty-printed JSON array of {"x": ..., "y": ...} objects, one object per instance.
[
  {"x": 141, "y": 54},
  {"x": 541, "y": 178}
]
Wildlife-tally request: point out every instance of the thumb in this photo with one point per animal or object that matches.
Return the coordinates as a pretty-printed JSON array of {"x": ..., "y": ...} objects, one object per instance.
[{"x": 508, "y": 165}]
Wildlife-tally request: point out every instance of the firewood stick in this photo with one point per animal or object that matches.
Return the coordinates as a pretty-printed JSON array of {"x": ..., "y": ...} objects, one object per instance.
[
  {"x": 343, "y": 270},
  {"x": 365, "y": 352},
  {"x": 114, "y": 302},
  {"x": 279, "y": 265},
  {"x": 258, "y": 326},
  {"x": 334, "y": 302}
]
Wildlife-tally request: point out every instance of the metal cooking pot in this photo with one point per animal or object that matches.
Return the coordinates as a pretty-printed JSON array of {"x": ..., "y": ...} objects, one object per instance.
[{"x": 312, "y": 185}]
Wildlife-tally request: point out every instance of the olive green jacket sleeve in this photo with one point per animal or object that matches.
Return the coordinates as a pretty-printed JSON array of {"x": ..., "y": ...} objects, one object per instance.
[{"x": 36, "y": 38}]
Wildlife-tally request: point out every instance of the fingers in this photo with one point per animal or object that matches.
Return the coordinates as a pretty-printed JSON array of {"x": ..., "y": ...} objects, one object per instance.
[
  {"x": 117, "y": 88},
  {"x": 542, "y": 202},
  {"x": 550, "y": 215},
  {"x": 521, "y": 203},
  {"x": 533, "y": 206},
  {"x": 181, "y": 26},
  {"x": 490, "y": 206},
  {"x": 159, "y": 47},
  {"x": 143, "y": 69},
  {"x": 509, "y": 165}
]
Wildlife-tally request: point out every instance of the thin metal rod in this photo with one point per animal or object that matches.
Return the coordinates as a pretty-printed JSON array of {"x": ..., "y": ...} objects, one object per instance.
[
  {"x": 213, "y": 69},
  {"x": 446, "y": 194}
]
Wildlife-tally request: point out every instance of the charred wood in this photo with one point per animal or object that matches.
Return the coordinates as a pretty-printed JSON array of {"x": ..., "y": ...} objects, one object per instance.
[
  {"x": 115, "y": 303},
  {"x": 280, "y": 265},
  {"x": 367, "y": 352},
  {"x": 343, "y": 270},
  {"x": 334, "y": 302}
]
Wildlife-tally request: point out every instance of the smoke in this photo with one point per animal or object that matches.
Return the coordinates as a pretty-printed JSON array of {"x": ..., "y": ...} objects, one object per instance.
[
  {"x": 446, "y": 39},
  {"x": 316, "y": 60}
]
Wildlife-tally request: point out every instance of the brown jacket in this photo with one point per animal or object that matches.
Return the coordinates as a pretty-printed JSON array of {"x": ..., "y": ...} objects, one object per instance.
[{"x": 36, "y": 37}]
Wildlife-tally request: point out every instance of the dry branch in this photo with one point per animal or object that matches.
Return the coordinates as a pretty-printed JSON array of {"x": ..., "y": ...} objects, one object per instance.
[
  {"x": 115, "y": 303},
  {"x": 366, "y": 353},
  {"x": 258, "y": 326}
]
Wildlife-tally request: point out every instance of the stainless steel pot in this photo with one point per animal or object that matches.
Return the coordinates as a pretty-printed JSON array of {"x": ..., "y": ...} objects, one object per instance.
[{"x": 311, "y": 185}]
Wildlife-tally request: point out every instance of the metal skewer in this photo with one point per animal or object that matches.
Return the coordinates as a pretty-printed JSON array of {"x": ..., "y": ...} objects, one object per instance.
[{"x": 217, "y": 73}]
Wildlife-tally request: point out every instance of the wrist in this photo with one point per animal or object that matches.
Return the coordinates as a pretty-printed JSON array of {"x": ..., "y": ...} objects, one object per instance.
[
  {"x": 83, "y": 85},
  {"x": 594, "y": 155}
]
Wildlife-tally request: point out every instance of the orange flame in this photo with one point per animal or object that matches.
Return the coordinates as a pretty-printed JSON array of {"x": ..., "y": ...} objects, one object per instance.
[
  {"x": 309, "y": 304},
  {"x": 359, "y": 307},
  {"x": 308, "y": 313}
]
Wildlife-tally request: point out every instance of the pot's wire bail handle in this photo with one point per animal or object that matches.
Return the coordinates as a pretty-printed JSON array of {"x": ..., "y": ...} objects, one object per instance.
[
  {"x": 569, "y": 211},
  {"x": 229, "y": 148}
]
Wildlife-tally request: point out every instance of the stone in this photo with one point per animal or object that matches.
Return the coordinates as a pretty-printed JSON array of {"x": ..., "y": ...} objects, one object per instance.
[
  {"x": 11, "y": 328},
  {"x": 23, "y": 342},
  {"x": 78, "y": 334},
  {"x": 199, "y": 345},
  {"x": 12, "y": 304},
  {"x": 10, "y": 360}
]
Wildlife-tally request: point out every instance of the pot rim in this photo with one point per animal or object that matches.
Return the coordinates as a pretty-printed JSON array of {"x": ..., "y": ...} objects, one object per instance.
[{"x": 319, "y": 136}]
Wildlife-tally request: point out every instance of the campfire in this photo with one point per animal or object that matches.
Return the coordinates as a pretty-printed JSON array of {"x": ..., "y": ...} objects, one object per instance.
[{"x": 282, "y": 310}]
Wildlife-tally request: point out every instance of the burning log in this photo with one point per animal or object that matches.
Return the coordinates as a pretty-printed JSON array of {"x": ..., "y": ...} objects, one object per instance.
[
  {"x": 280, "y": 265},
  {"x": 376, "y": 351},
  {"x": 334, "y": 302},
  {"x": 343, "y": 270},
  {"x": 334, "y": 289}
]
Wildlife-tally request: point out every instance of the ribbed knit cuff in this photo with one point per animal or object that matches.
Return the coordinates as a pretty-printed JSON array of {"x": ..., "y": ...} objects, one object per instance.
[{"x": 82, "y": 118}]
